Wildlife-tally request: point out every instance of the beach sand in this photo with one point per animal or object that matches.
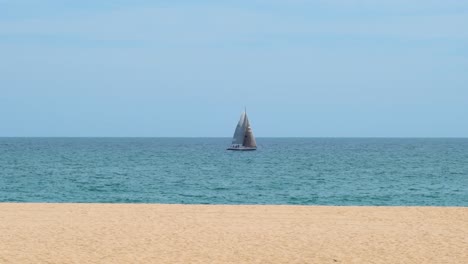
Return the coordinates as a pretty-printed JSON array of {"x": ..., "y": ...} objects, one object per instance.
[{"x": 153, "y": 233}]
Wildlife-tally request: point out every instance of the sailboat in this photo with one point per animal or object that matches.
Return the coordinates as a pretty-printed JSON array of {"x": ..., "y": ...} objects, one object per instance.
[{"x": 243, "y": 138}]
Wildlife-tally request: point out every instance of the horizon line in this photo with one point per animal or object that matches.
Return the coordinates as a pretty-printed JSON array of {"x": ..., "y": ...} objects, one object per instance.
[{"x": 329, "y": 137}]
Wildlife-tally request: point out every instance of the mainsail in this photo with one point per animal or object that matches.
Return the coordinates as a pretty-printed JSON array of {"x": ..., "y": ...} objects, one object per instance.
[
  {"x": 239, "y": 134},
  {"x": 243, "y": 138},
  {"x": 249, "y": 139}
]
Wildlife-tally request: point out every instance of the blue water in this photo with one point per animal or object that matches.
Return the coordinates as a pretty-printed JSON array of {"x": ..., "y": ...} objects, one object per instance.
[{"x": 321, "y": 171}]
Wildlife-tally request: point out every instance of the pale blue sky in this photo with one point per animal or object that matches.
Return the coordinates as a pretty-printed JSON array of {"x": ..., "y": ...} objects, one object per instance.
[{"x": 187, "y": 68}]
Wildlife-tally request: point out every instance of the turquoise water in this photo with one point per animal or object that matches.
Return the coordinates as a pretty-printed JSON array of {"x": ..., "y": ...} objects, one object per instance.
[{"x": 324, "y": 171}]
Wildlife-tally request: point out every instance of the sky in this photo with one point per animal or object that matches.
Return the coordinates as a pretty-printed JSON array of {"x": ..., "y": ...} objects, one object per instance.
[{"x": 388, "y": 68}]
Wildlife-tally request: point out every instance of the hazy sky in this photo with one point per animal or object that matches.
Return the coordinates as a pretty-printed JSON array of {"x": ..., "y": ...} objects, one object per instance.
[{"x": 322, "y": 68}]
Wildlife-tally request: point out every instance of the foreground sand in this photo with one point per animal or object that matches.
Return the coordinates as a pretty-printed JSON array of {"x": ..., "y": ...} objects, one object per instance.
[{"x": 142, "y": 233}]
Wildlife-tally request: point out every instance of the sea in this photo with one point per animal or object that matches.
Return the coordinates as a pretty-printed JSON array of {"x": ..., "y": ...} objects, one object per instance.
[{"x": 292, "y": 171}]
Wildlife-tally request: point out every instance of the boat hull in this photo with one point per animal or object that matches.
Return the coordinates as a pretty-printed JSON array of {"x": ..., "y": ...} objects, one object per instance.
[{"x": 242, "y": 149}]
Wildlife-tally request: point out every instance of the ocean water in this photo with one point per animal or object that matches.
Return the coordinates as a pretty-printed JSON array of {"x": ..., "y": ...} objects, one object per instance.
[{"x": 308, "y": 171}]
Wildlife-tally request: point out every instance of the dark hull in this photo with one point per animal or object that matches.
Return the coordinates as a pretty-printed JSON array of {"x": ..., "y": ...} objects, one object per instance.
[{"x": 242, "y": 149}]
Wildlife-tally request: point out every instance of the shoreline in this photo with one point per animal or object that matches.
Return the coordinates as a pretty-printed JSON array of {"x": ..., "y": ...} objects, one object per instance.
[
  {"x": 181, "y": 233},
  {"x": 236, "y": 205}
]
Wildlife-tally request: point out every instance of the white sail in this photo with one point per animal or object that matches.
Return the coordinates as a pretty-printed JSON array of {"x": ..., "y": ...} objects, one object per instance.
[
  {"x": 249, "y": 139},
  {"x": 239, "y": 134},
  {"x": 243, "y": 138}
]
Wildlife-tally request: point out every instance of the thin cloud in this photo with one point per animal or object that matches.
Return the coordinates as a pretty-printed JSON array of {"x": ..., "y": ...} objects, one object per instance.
[{"x": 204, "y": 25}]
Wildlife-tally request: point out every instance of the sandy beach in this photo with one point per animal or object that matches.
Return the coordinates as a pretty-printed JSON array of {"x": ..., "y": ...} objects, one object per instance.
[{"x": 153, "y": 233}]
